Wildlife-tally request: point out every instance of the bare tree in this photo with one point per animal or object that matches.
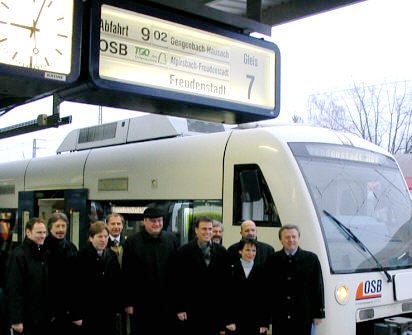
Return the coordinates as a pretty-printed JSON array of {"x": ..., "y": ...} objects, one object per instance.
[
  {"x": 381, "y": 114},
  {"x": 297, "y": 119}
]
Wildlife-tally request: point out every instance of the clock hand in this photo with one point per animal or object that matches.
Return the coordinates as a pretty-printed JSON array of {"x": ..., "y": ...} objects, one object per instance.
[
  {"x": 38, "y": 16},
  {"x": 32, "y": 29}
]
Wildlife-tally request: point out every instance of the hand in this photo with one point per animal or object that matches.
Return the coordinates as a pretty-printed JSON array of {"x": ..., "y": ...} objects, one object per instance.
[
  {"x": 37, "y": 20},
  {"x": 317, "y": 322},
  {"x": 18, "y": 327},
  {"x": 182, "y": 316},
  {"x": 129, "y": 310},
  {"x": 231, "y": 327},
  {"x": 78, "y": 322},
  {"x": 263, "y": 330},
  {"x": 32, "y": 29}
]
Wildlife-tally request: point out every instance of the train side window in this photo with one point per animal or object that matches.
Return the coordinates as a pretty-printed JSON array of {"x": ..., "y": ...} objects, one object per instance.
[
  {"x": 179, "y": 215},
  {"x": 252, "y": 199}
]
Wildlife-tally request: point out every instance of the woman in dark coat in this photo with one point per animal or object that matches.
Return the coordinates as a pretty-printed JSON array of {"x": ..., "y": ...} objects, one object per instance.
[
  {"x": 100, "y": 294},
  {"x": 248, "y": 313}
]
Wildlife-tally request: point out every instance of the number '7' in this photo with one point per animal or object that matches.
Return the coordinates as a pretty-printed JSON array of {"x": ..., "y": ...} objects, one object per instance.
[{"x": 252, "y": 79}]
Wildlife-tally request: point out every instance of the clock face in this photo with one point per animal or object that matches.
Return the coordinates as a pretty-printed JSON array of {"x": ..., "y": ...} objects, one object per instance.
[{"x": 37, "y": 34}]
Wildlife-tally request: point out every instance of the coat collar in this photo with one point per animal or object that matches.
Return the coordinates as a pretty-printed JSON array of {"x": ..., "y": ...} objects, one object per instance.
[
  {"x": 149, "y": 238},
  {"x": 296, "y": 255},
  {"x": 38, "y": 251},
  {"x": 91, "y": 251}
]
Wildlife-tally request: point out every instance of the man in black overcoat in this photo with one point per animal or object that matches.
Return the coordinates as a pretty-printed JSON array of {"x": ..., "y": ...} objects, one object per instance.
[
  {"x": 145, "y": 267},
  {"x": 201, "y": 268},
  {"x": 62, "y": 254},
  {"x": 99, "y": 276},
  {"x": 296, "y": 286},
  {"x": 27, "y": 282},
  {"x": 248, "y": 230}
]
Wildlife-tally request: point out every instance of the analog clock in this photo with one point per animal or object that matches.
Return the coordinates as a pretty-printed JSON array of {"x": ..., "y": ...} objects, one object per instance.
[{"x": 37, "y": 34}]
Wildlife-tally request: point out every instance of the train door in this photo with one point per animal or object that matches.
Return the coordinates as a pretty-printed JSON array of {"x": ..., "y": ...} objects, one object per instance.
[
  {"x": 76, "y": 209},
  {"x": 26, "y": 210},
  {"x": 42, "y": 204}
]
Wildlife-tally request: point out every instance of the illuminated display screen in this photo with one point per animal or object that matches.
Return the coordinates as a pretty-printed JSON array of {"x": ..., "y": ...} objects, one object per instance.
[
  {"x": 152, "y": 52},
  {"x": 342, "y": 152},
  {"x": 128, "y": 210}
]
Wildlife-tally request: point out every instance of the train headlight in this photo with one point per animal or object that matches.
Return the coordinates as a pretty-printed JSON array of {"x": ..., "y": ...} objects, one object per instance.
[{"x": 341, "y": 294}]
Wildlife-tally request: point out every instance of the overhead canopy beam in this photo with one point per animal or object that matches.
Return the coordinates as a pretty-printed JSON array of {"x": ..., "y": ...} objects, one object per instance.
[
  {"x": 298, "y": 9},
  {"x": 43, "y": 121},
  {"x": 198, "y": 8},
  {"x": 257, "y": 15},
  {"x": 254, "y": 9}
]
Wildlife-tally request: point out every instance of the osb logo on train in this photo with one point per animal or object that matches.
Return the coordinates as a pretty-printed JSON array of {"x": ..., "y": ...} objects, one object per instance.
[{"x": 369, "y": 289}]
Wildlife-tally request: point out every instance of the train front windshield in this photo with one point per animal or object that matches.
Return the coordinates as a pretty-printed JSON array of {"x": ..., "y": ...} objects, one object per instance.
[{"x": 358, "y": 194}]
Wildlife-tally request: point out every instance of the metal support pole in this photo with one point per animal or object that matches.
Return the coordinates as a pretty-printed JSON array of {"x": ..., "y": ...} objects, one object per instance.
[
  {"x": 100, "y": 114},
  {"x": 34, "y": 148},
  {"x": 254, "y": 10}
]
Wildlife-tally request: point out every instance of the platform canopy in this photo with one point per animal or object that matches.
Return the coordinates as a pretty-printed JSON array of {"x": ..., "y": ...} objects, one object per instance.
[{"x": 254, "y": 15}]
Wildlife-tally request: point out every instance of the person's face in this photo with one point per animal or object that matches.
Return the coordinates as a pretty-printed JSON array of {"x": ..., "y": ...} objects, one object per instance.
[
  {"x": 217, "y": 234},
  {"x": 59, "y": 229},
  {"x": 99, "y": 240},
  {"x": 38, "y": 233},
  {"x": 248, "y": 229},
  {"x": 290, "y": 239},
  {"x": 153, "y": 226},
  {"x": 115, "y": 225},
  {"x": 204, "y": 231},
  {"x": 248, "y": 253}
]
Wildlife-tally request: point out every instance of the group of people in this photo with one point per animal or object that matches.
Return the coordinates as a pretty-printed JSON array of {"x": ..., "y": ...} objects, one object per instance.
[{"x": 197, "y": 288}]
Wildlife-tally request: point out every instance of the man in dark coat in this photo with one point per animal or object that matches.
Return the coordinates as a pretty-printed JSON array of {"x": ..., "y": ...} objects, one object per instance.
[
  {"x": 145, "y": 267},
  {"x": 296, "y": 284},
  {"x": 98, "y": 274},
  {"x": 27, "y": 282},
  {"x": 62, "y": 255},
  {"x": 115, "y": 224},
  {"x": 248, "y": 230},
  {"x": 4, "y": 327},
  {"x": 217, "y": 233},
  {"x": 202, "y": 268}
]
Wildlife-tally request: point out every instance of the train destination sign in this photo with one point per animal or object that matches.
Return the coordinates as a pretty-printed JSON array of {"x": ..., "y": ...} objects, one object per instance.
[{"x": 142, "y": 50}]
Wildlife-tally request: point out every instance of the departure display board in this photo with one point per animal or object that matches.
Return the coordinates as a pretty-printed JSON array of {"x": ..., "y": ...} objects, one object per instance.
[{"x": 141, "y": 50}]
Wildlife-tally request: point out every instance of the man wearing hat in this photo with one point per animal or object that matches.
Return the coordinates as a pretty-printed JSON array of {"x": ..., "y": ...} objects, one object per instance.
[{"x": 146, "y": 257}]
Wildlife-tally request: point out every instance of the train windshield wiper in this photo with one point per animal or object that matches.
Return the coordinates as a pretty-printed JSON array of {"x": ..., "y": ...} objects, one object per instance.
[{"x": 354, "y": 238}]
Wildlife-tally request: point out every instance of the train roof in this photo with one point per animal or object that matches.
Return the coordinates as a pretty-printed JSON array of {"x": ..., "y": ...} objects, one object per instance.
[
  {"x": 138, "y": 129},
  {"x": 155, "y": 127}
]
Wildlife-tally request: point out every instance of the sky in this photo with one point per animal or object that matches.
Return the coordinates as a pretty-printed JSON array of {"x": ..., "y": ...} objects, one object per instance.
[{"x": 368, "y": 42}]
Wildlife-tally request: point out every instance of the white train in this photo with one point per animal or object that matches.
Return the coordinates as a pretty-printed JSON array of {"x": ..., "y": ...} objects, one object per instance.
[{"x": 322, "y": 180}]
